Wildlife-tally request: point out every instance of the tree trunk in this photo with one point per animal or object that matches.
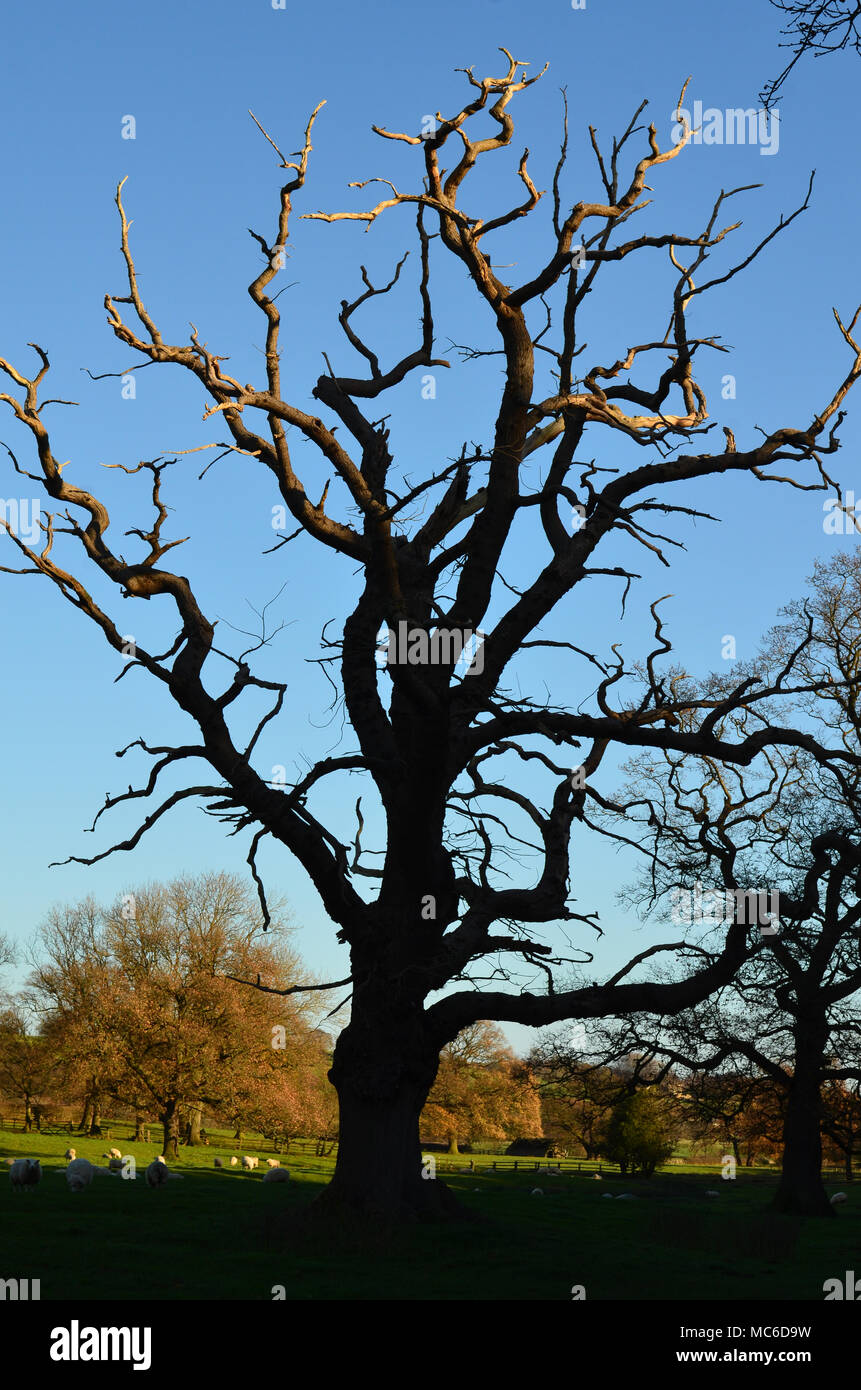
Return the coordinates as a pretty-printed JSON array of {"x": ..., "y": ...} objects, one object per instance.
[
  {"x": 169, "y": 1119},
  {"x": 139, "y": 1129},
  {"x": 28, "y": 1115},
  {"x": 452, "y": 1144},
  {"x": 383, "y": 1068},
  {"x": 800, "y": 1189},
  {"x": 195, "y": 1118},
  {"x": 96, "y": 1116},
  {"x": 85, "y": 1118}
]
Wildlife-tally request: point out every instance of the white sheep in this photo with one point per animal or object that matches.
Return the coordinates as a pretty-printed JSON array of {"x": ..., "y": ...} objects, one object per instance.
[
  {"x": 537, "y": 1192},
  {"x": 608, "y": 1196},
  {"x": 79, "y": 1174},
  {"x": 277, "y": 1175},
  {"x": 838, "y": 1198},
  {"x": 217, "y": 1163},
  {"x": 69, "y": 1155},
  {"x": 596, "y": 1177},
  {"x": 157, "y": 1174},
  {"x": 234, "y": 1160},
  {"x": 115, "y": 1153},
  {"x": 25, "y": 1173},
  {"x": 249, "y": 1163},
  {"x": 273, "y": 1163},
  {"x": 626, "y": 1197},
  {"x": 711, "y": 1193}
]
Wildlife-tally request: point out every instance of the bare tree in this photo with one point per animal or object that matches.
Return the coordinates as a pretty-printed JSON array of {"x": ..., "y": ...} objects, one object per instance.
[
  {"x": 782, "y": 844},
  {"x": 7, "y": 955},
  {"x": 814, "y": 27},
  {"x": 576, "y": 1098},
  {"x": 439, "y": 753}
]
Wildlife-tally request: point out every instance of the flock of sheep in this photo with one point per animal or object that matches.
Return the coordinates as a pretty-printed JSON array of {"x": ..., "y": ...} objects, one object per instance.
[
  {"x": 274, "y": 1173},
  {"x": 26, "y": 1173}
]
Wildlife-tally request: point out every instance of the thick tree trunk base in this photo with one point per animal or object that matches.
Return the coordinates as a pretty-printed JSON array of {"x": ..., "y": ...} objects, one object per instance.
[
  {"x": 425, "y": 1201},
  {"x": 339, "y": 1224},
  {"x": 803, "y": 1203}
]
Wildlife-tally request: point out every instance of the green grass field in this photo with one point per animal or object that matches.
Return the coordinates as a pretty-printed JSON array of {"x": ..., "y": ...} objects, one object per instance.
[{"x": 224, "y": 1234}]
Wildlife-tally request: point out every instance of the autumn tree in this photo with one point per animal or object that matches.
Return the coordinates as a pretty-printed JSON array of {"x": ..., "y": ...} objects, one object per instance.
[
  {"x": 455, "y": 766},
  {"x": 28, "y": 1067},
  {"x": 70, "y": 1020},
  {"x": 150, "y": 979},
  {"x": 290, "y": 1096},
  {"x": 841, "y": 1122},
  {"x": 481, "y": 1091}
]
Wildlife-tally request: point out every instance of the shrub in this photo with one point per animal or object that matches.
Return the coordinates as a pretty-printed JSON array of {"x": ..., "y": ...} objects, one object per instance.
[{"x": 638, "y": 1135}]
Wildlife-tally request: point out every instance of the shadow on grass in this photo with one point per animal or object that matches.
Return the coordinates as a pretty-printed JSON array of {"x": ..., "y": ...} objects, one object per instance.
[
  {"x": 322, "y": 1226},
  {"x": 766, "y": 1236}
]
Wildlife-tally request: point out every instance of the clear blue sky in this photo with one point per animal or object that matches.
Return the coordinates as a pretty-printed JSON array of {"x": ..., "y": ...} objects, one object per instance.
[{"x": 199, "y": 174}]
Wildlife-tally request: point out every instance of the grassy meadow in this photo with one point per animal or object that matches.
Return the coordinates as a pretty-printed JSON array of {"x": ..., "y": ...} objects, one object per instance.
[{"x": 224, "y": 1234}]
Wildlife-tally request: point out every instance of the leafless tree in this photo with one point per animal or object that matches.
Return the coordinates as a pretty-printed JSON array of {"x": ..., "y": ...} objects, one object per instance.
[
  {"x": 814, "y": 27},
  {"x": 780, "y": 840},
  {"x": 438, "y": 751}
]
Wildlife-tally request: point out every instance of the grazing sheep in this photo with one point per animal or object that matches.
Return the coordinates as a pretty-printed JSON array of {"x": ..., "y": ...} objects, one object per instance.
[
  {"x": 217, "y": 1163},
  {"x": 157, "y": 1174},
  {"x": 626, "y": 1197},
  {"x": 69, "y": 1155},
  {"x": 711, "y": 1193},
  {"x": 608, "y": 1196},
  {"x": 115, "y": 1153},
  {"x": 273, "y": 1163},
  {"x": 79, "y": 1174},
  {"x": 553, "y": 1172},
  {"x": 277, "y": 1175},
  {"x": 234, "y": 1160},
  {"x": 596, "y": 1177},
  {"x": 537, "y": 1192},
  {"x": 24, "y": 1173},
  {"x": 838, "y": 1198},
  {"x": 249, "y": 1163}
]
